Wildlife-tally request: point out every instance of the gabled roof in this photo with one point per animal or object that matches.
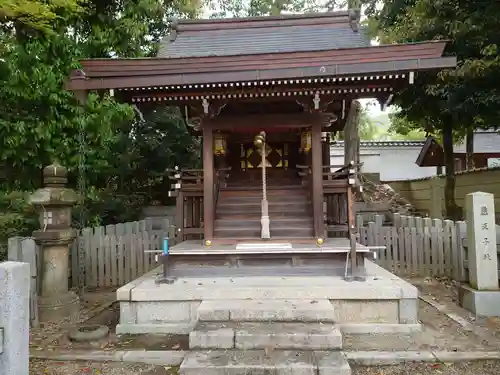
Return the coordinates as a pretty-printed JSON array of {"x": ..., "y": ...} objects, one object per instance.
[
  {"x": 261, "y": 35},
  {"x": 431, "y": 155}
]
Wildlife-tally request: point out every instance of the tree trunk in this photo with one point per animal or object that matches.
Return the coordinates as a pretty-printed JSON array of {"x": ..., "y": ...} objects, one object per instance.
[
  {"x": 469, "y": 149},
  {"x": 453, "y": 212},
  {"x": 351, "y": 134}
]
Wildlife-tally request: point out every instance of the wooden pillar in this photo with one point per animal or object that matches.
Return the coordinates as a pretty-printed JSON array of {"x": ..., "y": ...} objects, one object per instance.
[
  {"x": 317, "y": 180},
  {"x": 325, "y": 144},
  {"x": 208, "y": 182}
]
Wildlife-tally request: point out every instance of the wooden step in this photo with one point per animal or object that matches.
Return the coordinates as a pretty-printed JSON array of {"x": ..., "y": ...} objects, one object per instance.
[
  {"x": 255, "y": 232},
  {"x": 276, "y": 222},
  {"x": 288, "y": 198},
  {"x": 255, "y": 212},
  {"x": 259, "y": 183},
  {"x": 249, "y": 188},
  {"x": 235, "y": 215},
  {"x": 299, "y": 205}
]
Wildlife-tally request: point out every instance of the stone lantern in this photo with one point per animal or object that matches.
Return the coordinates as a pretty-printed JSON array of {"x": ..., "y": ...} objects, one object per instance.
[{"x": 53, "y": 203}]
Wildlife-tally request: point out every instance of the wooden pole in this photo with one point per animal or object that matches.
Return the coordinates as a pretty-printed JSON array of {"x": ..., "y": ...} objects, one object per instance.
[{"x": 317, "y": 181}]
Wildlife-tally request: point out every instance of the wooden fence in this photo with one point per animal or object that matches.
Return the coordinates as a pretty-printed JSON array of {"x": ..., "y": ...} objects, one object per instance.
[
  {"x": 118, "y": 254},
  {"x": 419, "y": 246},
  {"x": 114, "y": 254}
]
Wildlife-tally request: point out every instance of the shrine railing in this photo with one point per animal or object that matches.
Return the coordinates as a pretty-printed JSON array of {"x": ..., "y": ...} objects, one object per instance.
[
  {"x": 187, "y": 187},
  {"x": 339, "y": 183}
]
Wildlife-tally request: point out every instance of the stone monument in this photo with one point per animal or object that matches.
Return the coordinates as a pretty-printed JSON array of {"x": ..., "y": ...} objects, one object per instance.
[
  {"x": 54, "y": 202},
  {"x": 482, "y": 296},
  {"x": 14, "y": 318}
]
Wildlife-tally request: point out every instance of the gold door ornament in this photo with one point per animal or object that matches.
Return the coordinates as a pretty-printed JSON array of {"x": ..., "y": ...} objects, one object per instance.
[
  {"x": 220, "y": 144},
  {"x": 305, "y": 141}
]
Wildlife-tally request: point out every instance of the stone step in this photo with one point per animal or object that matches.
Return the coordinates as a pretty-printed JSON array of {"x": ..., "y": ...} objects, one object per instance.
[
  {"x": 260, "y": 362},
  {"x": 284, "y": 336},
  {"x": 306, "y": 311}
]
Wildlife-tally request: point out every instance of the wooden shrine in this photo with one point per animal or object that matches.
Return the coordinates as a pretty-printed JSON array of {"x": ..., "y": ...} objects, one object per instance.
[{"x": 264, "y": 93}]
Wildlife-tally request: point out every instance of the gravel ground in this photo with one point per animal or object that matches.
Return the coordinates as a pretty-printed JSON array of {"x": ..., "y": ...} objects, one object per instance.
[
  {"x": 99, "y": 368},
  {"x": 40, "y": 367},
  {"x": 444, "y": 291},
  {"x": 439, "y": 333},
  {"x": 46, "y": 336},
  {"x": 472, "y": 368}
]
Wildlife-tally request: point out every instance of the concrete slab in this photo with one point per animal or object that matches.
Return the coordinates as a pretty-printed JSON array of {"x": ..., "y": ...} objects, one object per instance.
[
  {"x": 332, "y": 363},
  {"x": 379, "y": 285},
  {"x": 480, "y": 302},
  {"x": 248, "y": 362},
  {"x": 448, "y": 357},
  {"x": 267, "y": 311},
  {"x": 212, "y": 336},
  {"x": 154, "y": 357},
  {"x": 291, "y": 336},
  {"x": 377, "y": 358},
  {"x": 140, "y": 328},
  {"x": 150, "y": 307},
  {"x": 374, "y": 328}
]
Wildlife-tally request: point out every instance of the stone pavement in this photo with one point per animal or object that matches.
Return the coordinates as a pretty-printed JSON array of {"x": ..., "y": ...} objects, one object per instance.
[{"x": 360, "y": 358}]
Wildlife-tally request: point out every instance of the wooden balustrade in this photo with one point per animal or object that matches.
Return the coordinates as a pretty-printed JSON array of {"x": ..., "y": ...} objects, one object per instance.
[{"x": 188, "y": 189}]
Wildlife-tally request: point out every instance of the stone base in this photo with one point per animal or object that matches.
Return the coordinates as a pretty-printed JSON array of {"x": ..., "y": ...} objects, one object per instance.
[
  {"x": 382, "y": 300},
  {"x": 59, "y": 307},
  {"x": 480, "y": 302}
]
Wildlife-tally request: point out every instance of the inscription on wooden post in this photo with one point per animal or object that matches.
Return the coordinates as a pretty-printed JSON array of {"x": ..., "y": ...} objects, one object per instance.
[{"x": 482, "y": 242}]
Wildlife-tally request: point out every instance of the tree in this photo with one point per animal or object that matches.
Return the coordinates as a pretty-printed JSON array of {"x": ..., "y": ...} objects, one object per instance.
[
  {"x": 253, "y": 8},
  {"x": 457, "y": 99},
  {"x": 36, "y": 15},
  {"x": 367, "y": 128},
  {"x": 40, "y": 43}
]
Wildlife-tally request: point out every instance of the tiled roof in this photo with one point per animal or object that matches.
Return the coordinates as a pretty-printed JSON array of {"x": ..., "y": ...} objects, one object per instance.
[
  {"x": 380, "y": 144},
  {"x": 286, "y": 34}
]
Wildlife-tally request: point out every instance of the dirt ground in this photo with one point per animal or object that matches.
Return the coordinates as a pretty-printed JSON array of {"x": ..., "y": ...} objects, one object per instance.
[
  {"x": 45, "y": 336},
  {"x": 439, "y": 332},
  {"x": 100, "y": 368},
  {"x": 40, "y": 367},
  {"x": 471, "y": 368}
]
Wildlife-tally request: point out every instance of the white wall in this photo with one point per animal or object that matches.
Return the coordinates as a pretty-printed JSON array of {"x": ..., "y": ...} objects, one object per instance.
[
  {"x": 484, "y": 142},
  {"x": 392, "y": 163}
]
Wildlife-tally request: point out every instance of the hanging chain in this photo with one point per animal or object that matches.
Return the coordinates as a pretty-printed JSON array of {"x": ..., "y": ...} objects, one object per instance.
[{"x": 82, "y": 189}]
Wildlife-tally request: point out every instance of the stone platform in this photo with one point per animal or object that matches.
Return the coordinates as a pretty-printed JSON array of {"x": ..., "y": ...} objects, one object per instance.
[{"x": 383, "y": 303}]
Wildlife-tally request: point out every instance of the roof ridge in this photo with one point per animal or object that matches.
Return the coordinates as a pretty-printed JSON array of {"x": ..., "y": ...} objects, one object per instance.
[{"x": 284, "y": 17}]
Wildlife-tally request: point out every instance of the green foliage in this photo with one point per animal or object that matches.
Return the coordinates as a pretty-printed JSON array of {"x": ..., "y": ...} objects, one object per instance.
[
  {"x": 37, "y": 15},
  {"x": 40, "y": 122},
  {"x": 467, "y": 94},
  {"x": 457, "y": 99},
  {"x": 253, "y": 8},
  {"x": 17, "y": 218}
]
